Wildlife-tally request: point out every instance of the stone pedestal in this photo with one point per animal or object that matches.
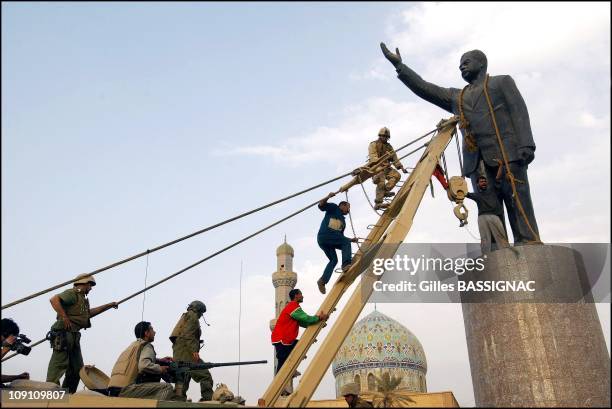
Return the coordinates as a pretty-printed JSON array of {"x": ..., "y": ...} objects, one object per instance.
[{"x": 536, "y": 354}]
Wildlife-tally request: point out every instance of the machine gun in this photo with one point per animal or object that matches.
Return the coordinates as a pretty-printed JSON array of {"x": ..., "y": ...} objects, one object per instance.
[{"x": 178, "y": 370}]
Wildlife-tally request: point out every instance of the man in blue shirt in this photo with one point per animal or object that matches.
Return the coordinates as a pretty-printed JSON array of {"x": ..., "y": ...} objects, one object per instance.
[{"x": 331, "y": 238}]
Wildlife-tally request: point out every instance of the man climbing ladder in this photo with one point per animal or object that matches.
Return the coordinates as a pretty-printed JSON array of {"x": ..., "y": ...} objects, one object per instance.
[{"x": 331, "y": 237}]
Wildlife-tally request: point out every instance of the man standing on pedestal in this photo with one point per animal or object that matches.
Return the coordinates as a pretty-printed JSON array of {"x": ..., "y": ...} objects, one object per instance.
[{"x": 482, "y": 131}]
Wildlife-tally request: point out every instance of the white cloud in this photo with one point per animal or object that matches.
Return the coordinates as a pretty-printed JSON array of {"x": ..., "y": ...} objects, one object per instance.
[
  {"x": 377, "y": 71},
  {"x": 346, "y": 143},
  {"x": 588, "y": 120},
  {"x": 517, "y": 36}
]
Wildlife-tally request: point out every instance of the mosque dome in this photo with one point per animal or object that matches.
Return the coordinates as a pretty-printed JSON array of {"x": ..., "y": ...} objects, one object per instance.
[
  {"x": 379, "y": 344},
  {"x": 284, "y": 249}
]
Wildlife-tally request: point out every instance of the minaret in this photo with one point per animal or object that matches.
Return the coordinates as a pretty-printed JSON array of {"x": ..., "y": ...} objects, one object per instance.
[{"x": 284, "y": 280}]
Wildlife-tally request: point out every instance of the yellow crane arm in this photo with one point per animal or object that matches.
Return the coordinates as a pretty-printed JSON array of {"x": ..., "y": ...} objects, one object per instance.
[{"x": 403, "y": 207}]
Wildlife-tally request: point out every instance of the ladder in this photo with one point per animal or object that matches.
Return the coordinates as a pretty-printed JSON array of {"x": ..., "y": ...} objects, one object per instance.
[{"x": 397, "y": 219}]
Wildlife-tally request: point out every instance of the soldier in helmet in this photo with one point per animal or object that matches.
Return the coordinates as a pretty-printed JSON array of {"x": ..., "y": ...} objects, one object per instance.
[
  {"x": 386, "y": 179},
  {"x": 73, "y": 314},
  {"x": 350, "y": 391},
  {"x": 186, "y": 346}
]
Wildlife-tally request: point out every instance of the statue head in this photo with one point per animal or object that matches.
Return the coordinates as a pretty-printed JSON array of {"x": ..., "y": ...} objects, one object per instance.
[{"x": 472, "y": 64}]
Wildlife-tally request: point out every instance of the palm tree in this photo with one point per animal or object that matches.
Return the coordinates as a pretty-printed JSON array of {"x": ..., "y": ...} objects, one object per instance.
[{"x": 388, "y": 395}]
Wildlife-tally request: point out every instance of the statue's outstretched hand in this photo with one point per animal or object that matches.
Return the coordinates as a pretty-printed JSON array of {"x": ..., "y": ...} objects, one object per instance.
[{"x": 395, "y": 59}]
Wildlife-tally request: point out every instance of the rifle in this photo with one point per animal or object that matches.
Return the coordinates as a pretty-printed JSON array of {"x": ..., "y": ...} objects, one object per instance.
[{"x": 178, "y": 370}]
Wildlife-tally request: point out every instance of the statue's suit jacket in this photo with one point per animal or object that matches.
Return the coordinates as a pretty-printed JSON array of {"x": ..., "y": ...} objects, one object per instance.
[{"x": 510, "y": 113}]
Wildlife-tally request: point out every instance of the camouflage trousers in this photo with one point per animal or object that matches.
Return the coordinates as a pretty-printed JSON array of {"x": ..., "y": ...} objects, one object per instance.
[
  {"x": 385, "y": 181},
  {"x": 67, "y": 362},
  {"x": 149, "y": 390},
  {"x": 204, "y": 378},
  {"x": 182, "y": 351}
]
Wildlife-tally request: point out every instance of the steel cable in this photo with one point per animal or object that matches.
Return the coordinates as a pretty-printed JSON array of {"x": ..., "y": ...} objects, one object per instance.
[
  {"x": 160, "y": 247},
  {"x": 214, "y": 254},
  {"x": 198, "y": 262},
  {"x": 118, "y": 263}
]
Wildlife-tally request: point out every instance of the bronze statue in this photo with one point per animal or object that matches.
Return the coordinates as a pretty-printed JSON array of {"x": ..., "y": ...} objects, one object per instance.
[{"x": 482, "y": 132}]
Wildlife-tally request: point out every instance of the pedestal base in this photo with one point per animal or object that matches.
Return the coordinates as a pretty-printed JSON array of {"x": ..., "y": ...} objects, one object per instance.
[{"x": 536, "y": 354}]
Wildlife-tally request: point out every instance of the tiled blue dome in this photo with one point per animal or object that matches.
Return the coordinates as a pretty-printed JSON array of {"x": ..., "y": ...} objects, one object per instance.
[{"x": 377, "y": 341}]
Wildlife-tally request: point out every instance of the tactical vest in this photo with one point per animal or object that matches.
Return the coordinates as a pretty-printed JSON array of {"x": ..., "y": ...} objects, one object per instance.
[
  {"x": 382, "y": 149},
  {"x": 125, "y": 371},
  {"x": 78, "y": 313},
  {"x": 180, "y": 329}
]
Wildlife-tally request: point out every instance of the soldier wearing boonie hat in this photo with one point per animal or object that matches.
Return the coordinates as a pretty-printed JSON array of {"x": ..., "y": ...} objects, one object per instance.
[{"x": 73, "y": 314}]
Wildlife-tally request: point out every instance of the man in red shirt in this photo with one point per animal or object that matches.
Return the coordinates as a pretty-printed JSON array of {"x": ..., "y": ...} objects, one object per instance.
[{"x": 284, "y": 336}]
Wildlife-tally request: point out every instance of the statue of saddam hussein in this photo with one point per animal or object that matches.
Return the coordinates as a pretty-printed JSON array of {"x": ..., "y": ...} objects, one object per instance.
[{"x": 480, "y": 141}]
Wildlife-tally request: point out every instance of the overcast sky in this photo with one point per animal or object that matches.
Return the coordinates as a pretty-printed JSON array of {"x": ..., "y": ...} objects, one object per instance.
[{"x": 127, "y": 125}]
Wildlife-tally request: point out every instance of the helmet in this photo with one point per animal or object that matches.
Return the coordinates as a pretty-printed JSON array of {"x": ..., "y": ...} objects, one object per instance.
[
  {"x": 384, "y": 132},
  {"x": 350, "y": 389},
  {"x": 84, "y": 279},
  {"x": 197, "y": 306}
]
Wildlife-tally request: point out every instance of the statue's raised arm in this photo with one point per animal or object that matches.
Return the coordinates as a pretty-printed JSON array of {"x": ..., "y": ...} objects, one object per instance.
[
  {"x": 442, "y": 97},
  {"x": 495, "y": 125}
]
